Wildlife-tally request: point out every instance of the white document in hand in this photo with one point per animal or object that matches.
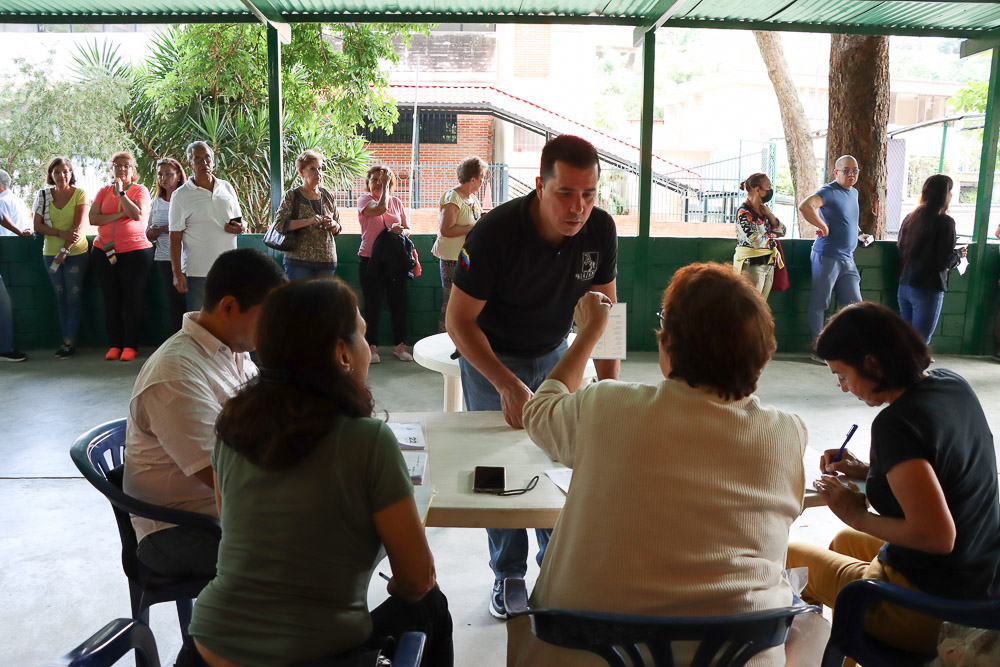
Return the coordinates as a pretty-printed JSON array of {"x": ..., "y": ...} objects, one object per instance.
[{"x": 612, "y": 344}]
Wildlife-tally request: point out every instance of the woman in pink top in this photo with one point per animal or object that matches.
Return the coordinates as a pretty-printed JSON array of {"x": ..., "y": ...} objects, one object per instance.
[
  {"x": 122, "y": 255},
  {"x": 379, "y": 210}
]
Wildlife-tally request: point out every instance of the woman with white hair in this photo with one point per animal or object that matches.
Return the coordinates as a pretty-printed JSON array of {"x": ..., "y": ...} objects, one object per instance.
[{"x": 205, "y": 218}]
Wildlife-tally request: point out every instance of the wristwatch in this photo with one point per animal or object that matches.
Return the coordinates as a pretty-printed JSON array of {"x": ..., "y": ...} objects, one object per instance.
[
  {"x": 121, "y": 194},
  {"x": 64, "y": 251}
]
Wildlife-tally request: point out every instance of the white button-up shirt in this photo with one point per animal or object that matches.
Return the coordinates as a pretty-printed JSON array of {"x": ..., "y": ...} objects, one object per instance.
[
  {"x": 16, "y": 212},
  {"x": 171, "y": 424},
  {"x": 202, "y": 215}
]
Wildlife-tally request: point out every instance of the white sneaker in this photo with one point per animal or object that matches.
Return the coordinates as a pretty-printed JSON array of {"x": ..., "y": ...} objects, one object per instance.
[
  {"x": 400, "y": 353},
  {"x": 375, "y": 358}
]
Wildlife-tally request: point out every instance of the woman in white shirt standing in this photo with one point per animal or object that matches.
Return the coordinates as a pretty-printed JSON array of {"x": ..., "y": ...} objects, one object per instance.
[
  {"x": 683, "y": 492},
  {"x": 169, "y": 176},
  {"x": 459, "y": 211}
]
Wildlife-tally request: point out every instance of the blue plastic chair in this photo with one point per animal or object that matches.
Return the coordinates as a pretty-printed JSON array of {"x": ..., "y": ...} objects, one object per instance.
[
  {"x": 110, "y": 644},
  {"x": 99, "y": 454},
  {"x": 623, "y": 640},
  {"x": 848, "y": 637}
]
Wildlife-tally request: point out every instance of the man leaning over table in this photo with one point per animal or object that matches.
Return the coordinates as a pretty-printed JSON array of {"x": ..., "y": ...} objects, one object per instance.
[
  {"x": 176, "y": 400},
  {"x": 205, "y": 217},
  {"x": 520, "y": 274}
]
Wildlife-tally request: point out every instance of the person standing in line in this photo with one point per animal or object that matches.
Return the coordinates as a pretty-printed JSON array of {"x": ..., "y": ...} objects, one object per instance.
[
  {"x": 14, "y": 221},
  {"x": 311, "y": 212},
  {"x": 378, "y": 210},
  {"x": 834, "y": 210},
  {"x": 927, "y": 249},
  {"x": 521, "y": 272},
  {"x": 459, "y": 211},
  {"x": 756, "y": 228},
  {"x": 59, "y": 213},
  {"x": 169, "y": 176},
  {"x": 205, "y": 218},
  {"x": 122, "y": 255}
]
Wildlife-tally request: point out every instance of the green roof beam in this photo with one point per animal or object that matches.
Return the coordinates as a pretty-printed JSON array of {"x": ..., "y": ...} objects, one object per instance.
[
  {"x": 659, "y": 15},
  {"x": 269, "y": 15},
  {"x": 971, "y": 47}
]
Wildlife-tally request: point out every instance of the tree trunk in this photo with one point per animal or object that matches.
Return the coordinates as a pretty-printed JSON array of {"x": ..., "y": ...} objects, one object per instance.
[
  {"x": 859, "y": 111},
  {"x": 798, "y": 138}
]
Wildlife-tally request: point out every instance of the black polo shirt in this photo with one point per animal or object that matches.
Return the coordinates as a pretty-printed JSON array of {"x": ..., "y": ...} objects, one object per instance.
[{"x": 530, "y": 286}]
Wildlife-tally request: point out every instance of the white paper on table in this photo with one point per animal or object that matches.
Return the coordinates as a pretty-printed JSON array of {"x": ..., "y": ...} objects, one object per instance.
[
  {"x": 561, "y": 477},
  {"x": 409, "y": 435},
  {"x": 416, "y": 465},
  {"x": 612, "y": 344}
]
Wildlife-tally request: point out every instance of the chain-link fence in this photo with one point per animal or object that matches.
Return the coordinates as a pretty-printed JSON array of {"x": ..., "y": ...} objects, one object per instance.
[{"x": 949, "y": 146}]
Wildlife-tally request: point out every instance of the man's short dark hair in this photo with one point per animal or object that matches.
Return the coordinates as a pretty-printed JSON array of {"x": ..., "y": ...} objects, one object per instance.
[
  {"x": 245, "y": 274},
  {"x": 877, "y": 343},
  {"x": 571, "y": 150}
]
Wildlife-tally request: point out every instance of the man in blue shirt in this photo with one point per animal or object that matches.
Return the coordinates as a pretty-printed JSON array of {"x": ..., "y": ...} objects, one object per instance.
[
  {"x": 14, "y": 221},
  {"x": 834, "y": 210}
]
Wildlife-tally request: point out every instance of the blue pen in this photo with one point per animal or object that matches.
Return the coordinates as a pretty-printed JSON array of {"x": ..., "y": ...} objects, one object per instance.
[
  {"x": 382, "y": 574},
  {"x": 840, "y": 452}
]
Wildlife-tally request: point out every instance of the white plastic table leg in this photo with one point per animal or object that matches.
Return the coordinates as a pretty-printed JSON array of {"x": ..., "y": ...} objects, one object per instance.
[{"x": 453, "y": 399}]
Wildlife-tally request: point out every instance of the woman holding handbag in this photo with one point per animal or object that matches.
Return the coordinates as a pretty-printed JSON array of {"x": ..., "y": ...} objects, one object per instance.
[
  {"x": 59, "y": 211},
  {"x": 757, "y": 252},
  {"x": 122, "y": 255},
  {"x": 309, "y": 218},
  {"x": 379, "y": 210}
]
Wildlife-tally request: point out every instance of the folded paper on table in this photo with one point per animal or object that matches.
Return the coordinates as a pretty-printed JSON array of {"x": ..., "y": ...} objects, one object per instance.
[
  {"x": 561, "y": 477},
  {"x": 416, "y": 464},
  {"x": 409, "y": 434}
]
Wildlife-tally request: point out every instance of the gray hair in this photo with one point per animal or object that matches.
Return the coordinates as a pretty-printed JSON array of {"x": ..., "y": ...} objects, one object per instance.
[
  {"x": 4, "y": 179},
  {"x": 195, "y": 144}
]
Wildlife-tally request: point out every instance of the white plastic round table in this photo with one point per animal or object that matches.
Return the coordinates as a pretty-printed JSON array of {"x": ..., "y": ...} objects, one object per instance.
[{"x": 434, "y": 352}]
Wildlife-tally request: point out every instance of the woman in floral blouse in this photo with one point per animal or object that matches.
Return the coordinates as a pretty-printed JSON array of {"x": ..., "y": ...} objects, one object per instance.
[{"x": 756, "y": 229}]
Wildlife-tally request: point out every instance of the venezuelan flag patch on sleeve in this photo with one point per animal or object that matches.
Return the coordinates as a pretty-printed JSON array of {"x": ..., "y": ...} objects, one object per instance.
[{"x": 463, "y": 259}]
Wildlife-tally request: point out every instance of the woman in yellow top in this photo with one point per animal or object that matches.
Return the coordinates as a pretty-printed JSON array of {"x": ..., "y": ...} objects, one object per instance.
[
  {"x": 59, "y": 212},
  {"x": 460, "y": 210}
]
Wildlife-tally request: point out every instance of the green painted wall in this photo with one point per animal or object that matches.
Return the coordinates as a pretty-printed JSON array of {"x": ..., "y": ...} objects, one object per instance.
[{"x": 36, "y": 324}]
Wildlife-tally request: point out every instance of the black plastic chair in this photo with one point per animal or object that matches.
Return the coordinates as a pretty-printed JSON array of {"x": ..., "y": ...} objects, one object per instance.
[
  {"x": 624, "y": 640},
  {"x": 848, "y": 637},
  {"x": 110, "y": 644},
  {"x": 99, "y": 455}
]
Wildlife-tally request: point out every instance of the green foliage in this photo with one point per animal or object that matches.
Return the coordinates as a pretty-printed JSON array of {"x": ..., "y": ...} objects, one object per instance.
[
  {"x": 209, "y": 82},
  {"x": 971, "y": 98},
  {"x": 41, "y": 117},
  {"x": 919, "y": 170},
  {"x": 783, "y": 184},
  {"x": 934, "y": 59}
]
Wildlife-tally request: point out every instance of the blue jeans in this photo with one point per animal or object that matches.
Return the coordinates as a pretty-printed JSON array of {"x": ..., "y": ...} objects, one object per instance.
[
  {"x": 67, "y": 281},
  {"x": 195, "y": 293},
  {"x": 6, "y": 321},
  {"x": 829, "y": 274},
  {"x": 299, "y": 272},
  {"x": 509, "y": 547},
  {"x": 921, "y": 308}
]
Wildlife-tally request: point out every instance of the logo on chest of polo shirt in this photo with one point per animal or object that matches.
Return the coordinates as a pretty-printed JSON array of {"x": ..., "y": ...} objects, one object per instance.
[{"x": 588, "y": 265}]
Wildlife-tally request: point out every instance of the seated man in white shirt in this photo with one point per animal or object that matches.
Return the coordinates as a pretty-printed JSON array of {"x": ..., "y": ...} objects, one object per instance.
[{"x": 177, "y": 398}]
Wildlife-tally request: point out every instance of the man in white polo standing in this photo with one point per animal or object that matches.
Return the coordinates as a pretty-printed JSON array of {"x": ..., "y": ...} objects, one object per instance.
[{"x": 205, "y": 217}]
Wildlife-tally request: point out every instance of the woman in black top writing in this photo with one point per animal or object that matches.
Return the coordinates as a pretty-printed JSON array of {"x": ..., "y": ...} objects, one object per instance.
[
  {"x": 931, "y": 478},
  {"x": 927, "y": 250}
]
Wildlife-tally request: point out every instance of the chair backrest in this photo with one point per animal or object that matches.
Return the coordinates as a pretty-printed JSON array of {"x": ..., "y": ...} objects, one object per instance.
[
  {"x": 99, "y": 455},
  {"x": 111, "y": 643},
  {"x": 623, "y": 640}
]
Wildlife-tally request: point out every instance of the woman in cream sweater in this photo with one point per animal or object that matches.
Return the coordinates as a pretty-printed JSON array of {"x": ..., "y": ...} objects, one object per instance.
[{"x": 683, "y": 492}]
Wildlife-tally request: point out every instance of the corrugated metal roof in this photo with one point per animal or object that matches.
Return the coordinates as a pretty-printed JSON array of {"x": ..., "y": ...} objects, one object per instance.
[{"x": 974, "y": 18}]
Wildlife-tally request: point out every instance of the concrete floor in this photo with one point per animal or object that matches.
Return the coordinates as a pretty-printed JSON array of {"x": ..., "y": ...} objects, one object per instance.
[{"x": 60, "y": 573}]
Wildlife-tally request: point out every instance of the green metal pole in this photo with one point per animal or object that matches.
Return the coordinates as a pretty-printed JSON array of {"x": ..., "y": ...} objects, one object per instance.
[
  {"x": 274, "y": 117},
  {"x": 642, "y": 261},
  {"x": 978, "y": 306},
  {"x": 944, "y": 142}
]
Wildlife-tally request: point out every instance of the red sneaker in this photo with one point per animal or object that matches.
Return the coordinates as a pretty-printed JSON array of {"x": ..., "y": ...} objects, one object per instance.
[
  {"x": 113, "y": 354},
  {"x": 128, "y": 354}
]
